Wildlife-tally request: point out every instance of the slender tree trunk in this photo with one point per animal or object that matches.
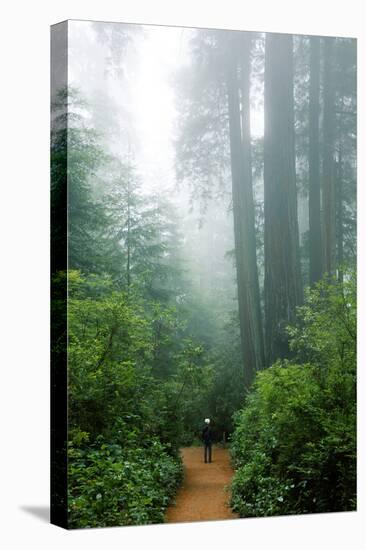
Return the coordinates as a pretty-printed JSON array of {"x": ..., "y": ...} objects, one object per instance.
[
  {"x": 243, "y": 233},
  {"x": 282, "y": 284},
  {"x": 339, "y": 216},
  {"x": 315, "y": 243},
  {"x": 329, "y": 210},
  {"x": 128, "y": 239}
]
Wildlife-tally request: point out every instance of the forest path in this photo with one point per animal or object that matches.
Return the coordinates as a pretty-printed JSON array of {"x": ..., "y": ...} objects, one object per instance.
[{"x": 203, "y": 495}]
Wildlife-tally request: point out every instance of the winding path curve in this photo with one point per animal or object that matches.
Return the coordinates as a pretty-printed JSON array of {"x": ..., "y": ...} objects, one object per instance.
[{"x": 203, "y": 495}]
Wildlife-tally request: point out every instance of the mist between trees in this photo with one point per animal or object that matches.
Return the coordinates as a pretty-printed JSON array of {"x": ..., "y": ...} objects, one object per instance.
[{"x": 211, "y": 265}]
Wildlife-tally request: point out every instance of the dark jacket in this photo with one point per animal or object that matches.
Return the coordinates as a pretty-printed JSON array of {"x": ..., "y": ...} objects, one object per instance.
[{"x": 207, "y": 435}]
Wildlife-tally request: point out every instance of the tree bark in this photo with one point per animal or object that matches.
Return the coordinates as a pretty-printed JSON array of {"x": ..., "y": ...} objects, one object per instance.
[
  {"x": 250, "y": 233},
  {"x": 339, "y": 216},
  {"x": 329, "y": 210},
  {"x": 282, "y": 284},
  {"x": 243, "y": 213},
  {"x": 315, "y": 242}
]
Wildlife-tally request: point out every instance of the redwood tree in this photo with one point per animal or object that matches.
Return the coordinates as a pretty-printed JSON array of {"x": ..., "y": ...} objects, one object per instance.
[
  {"x": 315, "y": 242},
  {"x": 282, "y": 284},
  {"x": 329, "y": 205}
]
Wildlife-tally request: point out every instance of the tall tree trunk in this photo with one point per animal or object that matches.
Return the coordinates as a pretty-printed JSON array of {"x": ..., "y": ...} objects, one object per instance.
[
  {"x": 329, "y": 210},
  {"x": 282, "y": 284},
  {"x": 315, "y": 243},
  {"x": 250, "y": 233},
  {"x": 244, "y": 233}
]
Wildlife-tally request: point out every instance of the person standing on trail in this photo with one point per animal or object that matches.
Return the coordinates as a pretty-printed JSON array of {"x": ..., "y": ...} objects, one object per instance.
[{"x": 207, "y": 440}]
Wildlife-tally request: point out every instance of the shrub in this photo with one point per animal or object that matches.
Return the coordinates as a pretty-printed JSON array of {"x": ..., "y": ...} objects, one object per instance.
[
  {"x": 109, "y": 485},
  {"x": 294, "y": 445}
]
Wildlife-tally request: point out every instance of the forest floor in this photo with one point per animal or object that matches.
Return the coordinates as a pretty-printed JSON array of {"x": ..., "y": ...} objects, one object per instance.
[{"x": 203, "y": 495}]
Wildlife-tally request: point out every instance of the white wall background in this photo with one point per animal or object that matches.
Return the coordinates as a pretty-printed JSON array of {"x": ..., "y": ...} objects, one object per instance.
[{"x": 24, "y": 286}]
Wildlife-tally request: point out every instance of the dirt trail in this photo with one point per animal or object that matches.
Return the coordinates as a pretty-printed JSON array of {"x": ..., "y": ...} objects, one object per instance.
[{"x": 202, "y": 495}]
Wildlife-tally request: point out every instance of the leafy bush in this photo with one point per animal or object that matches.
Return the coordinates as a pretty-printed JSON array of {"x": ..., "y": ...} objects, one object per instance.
[
  {"x": 110, "y": 485},
  {"x": 124, "y": 420},
  {"x": 294, "y": 446}
]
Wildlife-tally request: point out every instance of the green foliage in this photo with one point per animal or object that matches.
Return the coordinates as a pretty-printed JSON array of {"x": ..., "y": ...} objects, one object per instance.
[
  {"x": 190, "y": 386},
  {"x": 125, "y": 423},
  {"x": 142, "y": 228},
  {"x": 294, "y": 446},
  {"x": 108, "y": 346},
  {"x": 226, "y": 394},
  {"x": 131, "y": 359},
  {"x": 326, "y": 332},
  {"x": 114, "y": 485},
  {"x": 76, "y": 157}
]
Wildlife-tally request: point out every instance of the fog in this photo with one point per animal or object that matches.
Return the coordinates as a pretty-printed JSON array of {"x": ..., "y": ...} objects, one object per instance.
[
  {"x": 157, "y": 97},
  {"x": 130, "y": 88},
  {"x": 138, "y": 98}
]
